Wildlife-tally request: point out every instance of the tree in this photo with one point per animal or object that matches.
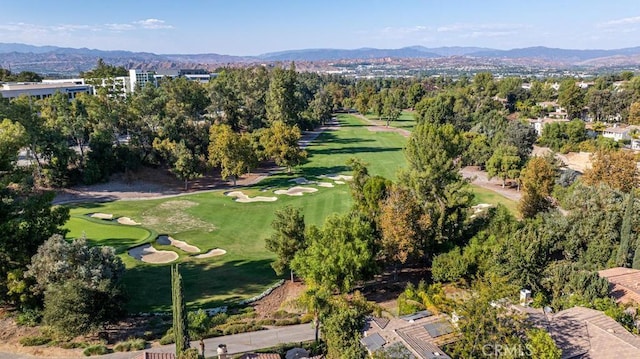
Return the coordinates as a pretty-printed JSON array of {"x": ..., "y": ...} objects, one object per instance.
[
  {"x": 280, "y": 143},
  {"x": 570, "y": 97},
  {"x": 522, "y": 136},
  {"x": 95, "y": 273},
  {"x": 27, "y": 219},
  {"x": 542, "y": 346},
  {"x": 538, "y": 179},
  {"x": 287, "y": 239},
  {"x": 342, "y": 326},
  {"x": 345, "y": 241},
  {"x": 180, "y": 317},
  {"x": 282, "y": 104},
  {"x": 616, "y": 169},
  {"x": 392, "y": 106},
  {"x": 624, "y": 258},
  {"x": 504, "y": 163},
  {"x": 317, "y": 300},
  {"x": 13, "y": 137},
  {"x": 103, "y": 70},
  {"x": 231, "y": 151},
  {"x": 634, "y": 113},
  {"x": 321, "y": 106},
  {"x": 415, "y": 94},
  {"x": 402, "y": 221}
]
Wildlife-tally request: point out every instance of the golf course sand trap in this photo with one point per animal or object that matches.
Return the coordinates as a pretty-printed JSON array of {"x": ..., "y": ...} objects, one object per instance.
[
  {"x": 325, "y": 184},
  {"x": 127, "y": 221},
  {"x": 243, "y": 198},
  {"x": 212, "y": 253},
  {"x": 339, "y": 182},
  {"x": 147, "y": 253},
  {"x": 301, "y": 180},
  {"x": 337, "y": 177},
  {"x": 481, "y": 207},
  {"x": 166, "y": 240},
  {"x": 296, "y": 191},
  {"x": 105, "y": 216}
]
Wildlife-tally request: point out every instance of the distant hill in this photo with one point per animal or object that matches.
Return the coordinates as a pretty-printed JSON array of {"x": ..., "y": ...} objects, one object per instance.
[
  {"x": 68, "y": 61},
  {"x": 338, "y": 54}
]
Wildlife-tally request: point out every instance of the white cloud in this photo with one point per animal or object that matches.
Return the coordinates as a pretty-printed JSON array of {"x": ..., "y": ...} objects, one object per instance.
[
  {"x": 621, "y": 22},
  {"x": 153, "y": 24}
]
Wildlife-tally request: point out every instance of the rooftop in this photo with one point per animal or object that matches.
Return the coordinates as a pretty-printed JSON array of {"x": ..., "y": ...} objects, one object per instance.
[{"x": 624, "y": 284}]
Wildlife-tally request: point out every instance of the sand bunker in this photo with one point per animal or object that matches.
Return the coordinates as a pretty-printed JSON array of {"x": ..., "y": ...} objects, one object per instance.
[
  {"x": 481, "y": 207},
  {"x": 147, "y": 253},
  {"x": 127, "y": 221},
  {"x": 296, "y": 191},
  {"x": 212, "y": 253},
  {"x": 339, "y": 182},
  {"x": 105, "y": 216},
  {"x": 337, "y": 177},
  {"x": 325, "y": 184},
  {"x": 243, "y": 198},
  {"x": 168, "y": 241}
]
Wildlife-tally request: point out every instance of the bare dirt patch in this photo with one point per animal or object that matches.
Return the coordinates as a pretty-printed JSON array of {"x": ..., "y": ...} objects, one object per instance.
[
  {"x": 241, "y": 197},
  {"x": 148, "y": 254},
  {"x": 296, "y": 191},
  {"x": 171, "y": 217},
  {"x": 166, "y": 240},
  {"x": 281, "y": 298},
  {"x": 212, "y": 253}
]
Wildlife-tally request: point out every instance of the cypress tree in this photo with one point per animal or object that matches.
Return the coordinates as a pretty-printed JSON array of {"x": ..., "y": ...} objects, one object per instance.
[
  {"x": 625, "y": 235},
  {"x": 178, "y": 307}
]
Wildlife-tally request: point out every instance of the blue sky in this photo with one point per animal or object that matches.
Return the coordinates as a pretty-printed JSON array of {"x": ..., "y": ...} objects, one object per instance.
[{"x": 252, "y": 27}]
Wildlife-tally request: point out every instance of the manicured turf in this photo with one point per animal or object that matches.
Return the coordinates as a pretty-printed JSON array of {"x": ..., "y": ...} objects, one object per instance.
[
  {"x": 406, "y": 120},
  {"x": 483, "y": 195},
  {"x": 213, "y": 220}
]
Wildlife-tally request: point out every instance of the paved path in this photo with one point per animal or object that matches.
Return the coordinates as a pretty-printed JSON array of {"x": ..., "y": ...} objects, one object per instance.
[
  {"x": 237, "y": 343},
  {"x": 480, "y": 178}
]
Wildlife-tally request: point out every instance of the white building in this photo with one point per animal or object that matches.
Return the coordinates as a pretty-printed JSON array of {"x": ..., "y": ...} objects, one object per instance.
[
  {"x": 40, "y": 90},
  {"x": 618, "y": 133},
  {"x": 139, "y": 78}
]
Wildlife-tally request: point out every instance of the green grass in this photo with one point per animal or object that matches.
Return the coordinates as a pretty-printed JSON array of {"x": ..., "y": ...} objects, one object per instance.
[
  {"x": 213, "y": 220},
  {"x": 405, "y": 121},
  {"x": 483, "y": 195}
]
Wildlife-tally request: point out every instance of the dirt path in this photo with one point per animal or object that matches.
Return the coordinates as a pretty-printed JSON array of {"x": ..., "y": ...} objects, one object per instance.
[
  {"x": 480, "y": 178},
  {"x": 154, "y": 184}
]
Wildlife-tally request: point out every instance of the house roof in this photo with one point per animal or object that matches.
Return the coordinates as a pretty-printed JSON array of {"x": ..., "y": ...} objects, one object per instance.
[
  {"x": 373, "y": 342},
  {"x": 260, "y": 356},
  {"x": 586, "y": 333},
  {"x": 624, "y": 284}
]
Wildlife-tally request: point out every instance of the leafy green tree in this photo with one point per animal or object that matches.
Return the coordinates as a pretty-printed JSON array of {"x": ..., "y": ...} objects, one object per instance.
[
  {"x": 178, "y": 306},
  {"x": 321, "y": 106},
  {"x": 538, "y": 179},
  {"x": 415, "y": 93},
  {"x": 342, "y": 325},
  {"x": 570, "y": 97},
  {"x": 522, "y": 136},
  {"x": 231, "y": 151},
  {"x": 27, "y": 219},
  {"x": 624, "y": 258},
  {"x": 186, "y": 166},
  {"x": 95, "y": 275},
  {"x": 504, "y": 163},
  {"x": 541, "y": 345},
  {"x": 392, "y": 106},
  {"x": 104, "y": 70},
  {"x": 479, "y": 150},
  {"x": 345, "y": 241},
  {"x": 288, "y": 237},
  {"x": 13, "y": 137},
  {"x": 280, "y": 143},
  {"x": 282, "y": 103},
  {"x": 316, "y": 300}
]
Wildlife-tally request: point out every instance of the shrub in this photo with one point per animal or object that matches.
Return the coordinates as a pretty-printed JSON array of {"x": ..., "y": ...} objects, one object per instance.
[
  {"x": 34, "y": 341},
  {"x": 281, "y": 314},
  {"x": 266, "y": 322},
  {"x": 98, "y": 349},
  {"x": 287, "y": 321},
  {"x": 219, "y": 319},
  {"x": 130, "y": 344},
  {"x": 167, "y": 339},
  {"x": 307, "y": 318},
  {"x": 29, "y": 318}
]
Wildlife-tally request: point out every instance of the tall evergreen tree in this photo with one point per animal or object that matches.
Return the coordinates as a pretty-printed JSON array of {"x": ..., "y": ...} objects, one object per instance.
[{"x": 180, "y": 332}]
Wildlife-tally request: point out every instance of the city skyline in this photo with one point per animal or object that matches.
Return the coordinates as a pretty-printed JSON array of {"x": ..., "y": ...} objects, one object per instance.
[{"x": 255, "y": 27}]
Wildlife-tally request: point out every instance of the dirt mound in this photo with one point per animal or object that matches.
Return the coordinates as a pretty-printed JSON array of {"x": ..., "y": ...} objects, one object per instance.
[{"x": 282, "y": 297}]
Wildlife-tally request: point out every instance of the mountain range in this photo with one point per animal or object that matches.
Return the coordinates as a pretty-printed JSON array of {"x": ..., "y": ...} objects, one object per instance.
[{"x": 48, "y": 59}]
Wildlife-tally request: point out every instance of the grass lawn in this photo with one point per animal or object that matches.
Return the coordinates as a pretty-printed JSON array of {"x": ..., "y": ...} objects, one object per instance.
[
  {"x": 405, "y": 121},
  {"x": 483, "y": 195},
  {"x": 213, "y": 220}
]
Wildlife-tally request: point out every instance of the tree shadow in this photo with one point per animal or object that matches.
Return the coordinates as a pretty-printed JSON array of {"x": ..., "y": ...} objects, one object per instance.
[{"x": 149, "y": 286}]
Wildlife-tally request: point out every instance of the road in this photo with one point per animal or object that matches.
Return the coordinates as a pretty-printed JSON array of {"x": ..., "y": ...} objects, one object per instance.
[{"x": 237, "y": 343}]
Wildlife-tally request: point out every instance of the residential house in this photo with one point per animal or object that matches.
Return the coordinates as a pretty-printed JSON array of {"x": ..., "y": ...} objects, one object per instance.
[
  {"x": 624, "y": 284},
  {"x": 539, "y": 123}
]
